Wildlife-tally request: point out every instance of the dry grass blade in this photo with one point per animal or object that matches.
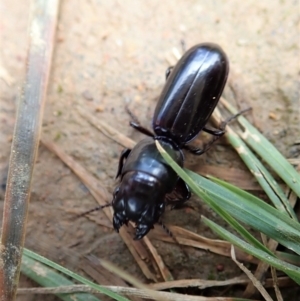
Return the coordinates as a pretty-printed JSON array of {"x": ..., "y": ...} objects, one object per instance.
[
  {"x": 100, "y": 275},
  {"x": 127, "y": 291},
  {"x": 191, "y": 239},
  {"x": 167, "y": 276},
  {"x": 106, "y": 129},
  {"x": 199, "y": 283},
  {"x": 283, "y": 282},
  {"x": 255, "y": 282},
  {"x": 103, "y": 276},
  {"x": 202, "y": 284},
  {"x": 260, "y": 271},
  {"x": 130, "y": 279},
  {"x": 276, "y": 287},
  {"x": 25, "y": 142}
]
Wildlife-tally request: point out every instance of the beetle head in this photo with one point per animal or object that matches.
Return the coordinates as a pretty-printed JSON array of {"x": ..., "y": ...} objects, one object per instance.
[{"x": 140, "y": 199}]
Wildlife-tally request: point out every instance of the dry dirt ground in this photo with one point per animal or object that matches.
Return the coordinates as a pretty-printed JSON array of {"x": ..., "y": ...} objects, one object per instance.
[{"x": 111, "y": 53}]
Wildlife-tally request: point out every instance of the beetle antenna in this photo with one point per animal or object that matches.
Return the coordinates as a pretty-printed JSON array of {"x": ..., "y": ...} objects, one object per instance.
[
  {"x": 132, "y": 116},
  {"x": 217, "y": 134},
  {"x": 170, "y": 233},
  {"x": 137, "y": 125},
  {"x": 228, "y": 120},
  {"x": 94, "y": 209}
]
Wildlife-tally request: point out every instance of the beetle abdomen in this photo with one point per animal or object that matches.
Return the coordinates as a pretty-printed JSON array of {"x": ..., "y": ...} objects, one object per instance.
[{"x": 191, "y": 93}]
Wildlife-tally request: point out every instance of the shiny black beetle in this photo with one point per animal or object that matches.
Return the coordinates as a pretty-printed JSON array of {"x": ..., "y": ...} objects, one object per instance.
[{"x": 191, "y": 93}]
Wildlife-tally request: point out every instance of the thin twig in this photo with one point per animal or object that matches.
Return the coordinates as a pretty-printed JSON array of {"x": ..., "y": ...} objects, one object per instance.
[
  {"x": 128, "y": 291},
  {"x": 198, "y": 283},
  {"x": 255, "y": 281}
]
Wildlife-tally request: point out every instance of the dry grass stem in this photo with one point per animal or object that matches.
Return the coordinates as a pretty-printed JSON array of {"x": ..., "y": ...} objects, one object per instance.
[{"x": 25, "y": 142}]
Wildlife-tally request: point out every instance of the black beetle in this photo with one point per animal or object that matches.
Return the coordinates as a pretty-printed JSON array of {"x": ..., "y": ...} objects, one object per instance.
[{"x": 192, "y": 91}]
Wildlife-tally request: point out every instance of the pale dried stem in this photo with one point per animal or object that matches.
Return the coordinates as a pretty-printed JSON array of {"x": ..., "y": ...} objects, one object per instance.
[{"x": 25, "y": 142}]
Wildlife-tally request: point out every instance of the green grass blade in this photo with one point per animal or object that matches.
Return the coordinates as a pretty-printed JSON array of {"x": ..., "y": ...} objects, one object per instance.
[
  {"x": 240, "y": 206},
  {"x": 291, "y": 270},
  {"x": 268, "y": 152},
  {"x": 197, "y": 189},
  {"x": 47, "y": 277},
  {"x": 253, "y": 211},
  {"x": 79, "y": 278},
  {"x": 237, "y": 226},
  {"x": 289, "y": 257},
  {"x": 244, "y": 207},
  {"x": 262, "y": 175}
]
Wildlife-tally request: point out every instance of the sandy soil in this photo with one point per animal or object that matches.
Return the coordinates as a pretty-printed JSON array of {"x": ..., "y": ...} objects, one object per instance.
[{"x": 110, "y": 53}]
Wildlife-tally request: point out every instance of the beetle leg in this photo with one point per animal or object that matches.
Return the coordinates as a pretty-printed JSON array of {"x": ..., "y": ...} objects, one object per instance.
[
  {"x": 141, "y": 129},
  {"x": 125, "y": 153},
  {"x": 200, "y": 151},
  {"x": 137, "y": 125},
  {"x": 220, "y": 132},
  {"x": 217, "y": 134},
  {"x": 168, "y": 71},
  {"x": 179, "y": 195}
]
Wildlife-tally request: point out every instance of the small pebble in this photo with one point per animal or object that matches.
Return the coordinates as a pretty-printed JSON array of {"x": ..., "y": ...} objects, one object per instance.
[
  {"x": 87, "y": 95},
  {"x": 273, "y": 116}
]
